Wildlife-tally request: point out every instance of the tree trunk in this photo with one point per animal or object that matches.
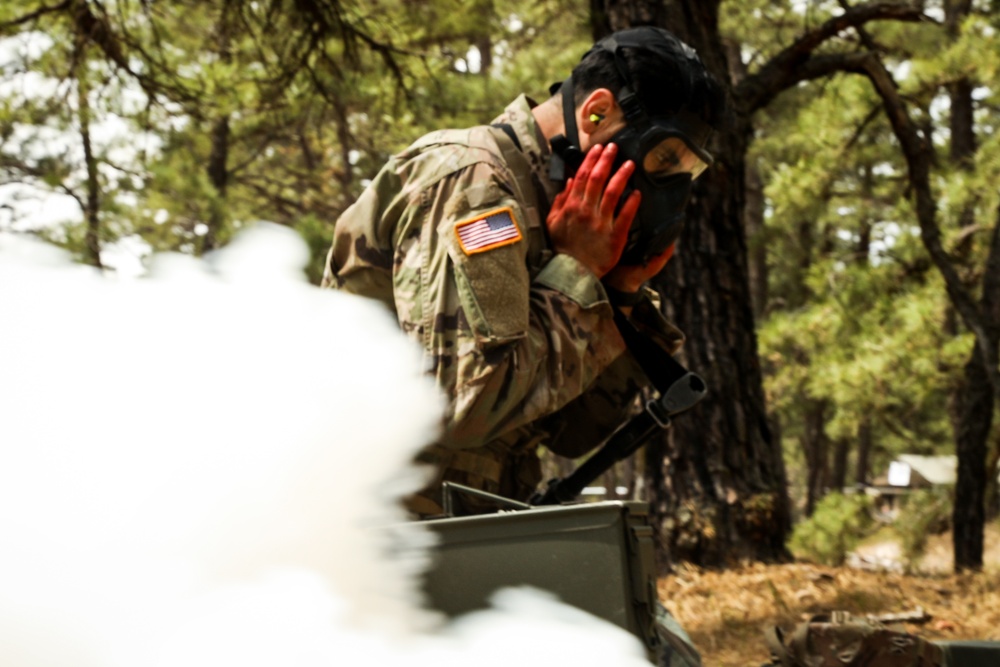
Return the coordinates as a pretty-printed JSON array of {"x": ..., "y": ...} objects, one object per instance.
[
  {"x": 975, "y": 400},
  {"x": 724, "y": 483},
  {"x": 864, "y": 451},
  {"x": 961, "y": 126},
  {"x": 992, "y": 466},
  {"x": 717, "y": 485},
  {"x": 753, "y": 208},
  {"x": 815, "y": 446},
  {"x": 218, "y": 174},
  {"x": 606, "y": 16},
  {"x": 969, "y": 516},
  {"x": 838, "y": 472},
  {"x": 483, "y": 41},
  {"x": 976, "y": 405},
  {"x": 92, "y": 198},
  {"x": 218, "y": 158},
  {"x": 753, "y": 216}
]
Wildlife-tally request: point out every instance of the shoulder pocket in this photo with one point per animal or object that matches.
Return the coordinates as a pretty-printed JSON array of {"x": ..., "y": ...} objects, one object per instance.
[{"x": 488, "y": 252}]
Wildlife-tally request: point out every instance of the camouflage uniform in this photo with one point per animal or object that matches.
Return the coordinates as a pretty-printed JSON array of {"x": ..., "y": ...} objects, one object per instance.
[
  {"x": 839, "y": 639},
  {"x": 521, "y": 339}
]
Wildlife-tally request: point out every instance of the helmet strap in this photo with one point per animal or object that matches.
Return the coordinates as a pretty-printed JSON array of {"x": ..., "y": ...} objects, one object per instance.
[{"x": 566, "y": 153}]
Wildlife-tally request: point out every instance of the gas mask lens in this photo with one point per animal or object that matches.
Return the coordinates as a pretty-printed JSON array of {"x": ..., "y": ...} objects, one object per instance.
[{"x": 670, "y": 156}]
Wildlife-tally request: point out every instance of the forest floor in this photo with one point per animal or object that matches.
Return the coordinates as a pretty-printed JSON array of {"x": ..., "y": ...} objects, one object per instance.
[{"x": 725, "y": 612}]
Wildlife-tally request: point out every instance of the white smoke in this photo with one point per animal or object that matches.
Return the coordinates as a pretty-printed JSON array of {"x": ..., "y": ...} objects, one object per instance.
[{"x": 196, "y": 468}]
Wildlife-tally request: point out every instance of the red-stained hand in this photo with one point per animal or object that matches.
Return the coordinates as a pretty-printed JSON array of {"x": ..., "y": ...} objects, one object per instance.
[
  {"x": 582, "y": 220},
  {"x": 631, "y": 278}
]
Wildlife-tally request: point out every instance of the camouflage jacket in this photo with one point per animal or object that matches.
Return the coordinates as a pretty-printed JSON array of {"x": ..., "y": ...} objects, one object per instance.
[
  {"x": 450, "y": 236},
  {"x": 839, "y": 639}
]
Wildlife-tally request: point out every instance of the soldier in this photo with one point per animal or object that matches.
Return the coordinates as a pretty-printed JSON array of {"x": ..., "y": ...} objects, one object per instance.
[{"x": 504, "y": 249}]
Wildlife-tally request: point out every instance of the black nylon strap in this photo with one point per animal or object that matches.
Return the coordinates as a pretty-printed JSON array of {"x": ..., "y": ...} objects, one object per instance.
[
  {"x": 661, "y": 368},
  {"x": 663, "y": 371},
  {"x": 509, "y": 131},
  {"x": 566, "y": 155}
]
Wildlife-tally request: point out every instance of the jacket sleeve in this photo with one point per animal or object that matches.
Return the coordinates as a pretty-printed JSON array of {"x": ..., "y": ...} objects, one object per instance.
[
  {"x": 595, "y": 415},
  {"x": 506, "y": 347}
]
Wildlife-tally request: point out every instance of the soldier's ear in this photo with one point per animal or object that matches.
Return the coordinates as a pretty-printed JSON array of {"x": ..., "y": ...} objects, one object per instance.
[
  {"x": 594, "y": 110},
  {"x": 599, "y": 117}
]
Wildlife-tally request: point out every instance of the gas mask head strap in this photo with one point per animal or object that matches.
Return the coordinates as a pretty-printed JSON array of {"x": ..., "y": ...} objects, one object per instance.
[
  {"x": 567, "y": 155},
  {"x": 627, "y": 100}
]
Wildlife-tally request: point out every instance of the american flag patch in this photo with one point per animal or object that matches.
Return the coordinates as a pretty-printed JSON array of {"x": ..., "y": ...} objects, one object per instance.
[{"x": 487, "y": 231}]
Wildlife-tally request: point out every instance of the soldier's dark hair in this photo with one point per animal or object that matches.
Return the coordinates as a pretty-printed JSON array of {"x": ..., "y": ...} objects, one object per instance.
[{"x": 666, "y": 77}]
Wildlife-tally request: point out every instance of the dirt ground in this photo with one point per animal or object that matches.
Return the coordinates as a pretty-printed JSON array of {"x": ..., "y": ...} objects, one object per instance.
[{"x": 726, "y": 612}]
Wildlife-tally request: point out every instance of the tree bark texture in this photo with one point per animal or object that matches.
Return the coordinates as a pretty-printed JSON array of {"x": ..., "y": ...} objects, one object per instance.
[
  {"x": 753, "y": 220},
  {"x": 753, "y": 207},
  {"x": 976, "y": 418},
  {"x": 724, "y": 493}
]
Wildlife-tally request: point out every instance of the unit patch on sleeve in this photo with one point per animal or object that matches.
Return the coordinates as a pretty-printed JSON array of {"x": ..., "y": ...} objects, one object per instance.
[{"x": 487, "y": 231}]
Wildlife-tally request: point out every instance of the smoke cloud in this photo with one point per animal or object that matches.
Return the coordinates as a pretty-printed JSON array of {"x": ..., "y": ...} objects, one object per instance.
[{"x": 203, "y": 467}]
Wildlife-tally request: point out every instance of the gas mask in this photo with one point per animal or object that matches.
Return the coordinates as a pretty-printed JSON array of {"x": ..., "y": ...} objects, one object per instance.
[{"x": 668, "y": 152}]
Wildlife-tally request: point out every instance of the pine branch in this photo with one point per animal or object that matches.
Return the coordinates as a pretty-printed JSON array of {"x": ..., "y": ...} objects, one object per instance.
[
  {"x": 797, "y": 62},
  {"x": 35, "y": 15},
  {"x": 97, "y": 29}
]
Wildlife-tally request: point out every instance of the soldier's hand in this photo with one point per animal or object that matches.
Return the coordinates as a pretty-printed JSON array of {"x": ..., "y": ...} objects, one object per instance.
[
  {"x": 582, "y": 220},
  {"x": 630, "y": 279}
]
